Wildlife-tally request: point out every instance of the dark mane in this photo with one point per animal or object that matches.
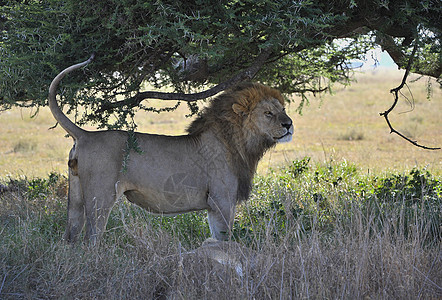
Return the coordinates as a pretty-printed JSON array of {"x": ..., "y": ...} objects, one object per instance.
[{"x": 227, "y": 126}]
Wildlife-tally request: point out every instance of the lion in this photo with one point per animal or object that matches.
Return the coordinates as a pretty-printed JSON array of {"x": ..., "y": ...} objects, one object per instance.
[{"x": 211, "y": 168}]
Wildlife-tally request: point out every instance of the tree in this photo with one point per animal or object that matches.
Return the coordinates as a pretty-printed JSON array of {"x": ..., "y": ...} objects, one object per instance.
[{"x": 200, "y": 48}]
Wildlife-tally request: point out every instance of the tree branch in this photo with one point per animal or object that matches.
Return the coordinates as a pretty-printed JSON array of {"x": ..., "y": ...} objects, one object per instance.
[
  {"x": 396, "y": 91},
  {"x": 387, "y": 43},
  {"x": 246, "y": 74}
]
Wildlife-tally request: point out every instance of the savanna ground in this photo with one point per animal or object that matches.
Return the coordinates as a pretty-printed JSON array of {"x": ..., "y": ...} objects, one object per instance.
[{"x": 344, "y": 211}]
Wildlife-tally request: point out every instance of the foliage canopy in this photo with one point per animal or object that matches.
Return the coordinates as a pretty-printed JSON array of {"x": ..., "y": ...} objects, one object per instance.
[{"x": 199, "y": 48}]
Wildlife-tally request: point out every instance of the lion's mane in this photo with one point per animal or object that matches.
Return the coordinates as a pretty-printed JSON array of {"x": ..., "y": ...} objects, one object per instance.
[{"x": 245, "y": 147}]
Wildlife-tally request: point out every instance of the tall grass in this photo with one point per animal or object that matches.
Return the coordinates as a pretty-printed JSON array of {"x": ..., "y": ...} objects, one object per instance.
[{"x": 308, "y": 231}]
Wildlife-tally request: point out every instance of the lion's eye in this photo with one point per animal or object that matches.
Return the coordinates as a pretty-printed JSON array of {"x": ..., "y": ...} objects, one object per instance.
[{"x": 268, "y": 114}]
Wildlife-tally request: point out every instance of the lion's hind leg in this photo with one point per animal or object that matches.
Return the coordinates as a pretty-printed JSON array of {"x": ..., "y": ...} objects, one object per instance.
[
  {"x": 100, "y": 197},
  {"x": 76, "y": 211}
]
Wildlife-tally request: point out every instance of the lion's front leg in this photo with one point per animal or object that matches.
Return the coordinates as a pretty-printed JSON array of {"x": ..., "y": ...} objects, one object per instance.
[{"x": 221, "y": 216}]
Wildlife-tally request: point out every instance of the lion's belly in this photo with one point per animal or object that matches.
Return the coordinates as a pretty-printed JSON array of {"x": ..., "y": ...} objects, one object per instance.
[{"x": 173, "y": 199}]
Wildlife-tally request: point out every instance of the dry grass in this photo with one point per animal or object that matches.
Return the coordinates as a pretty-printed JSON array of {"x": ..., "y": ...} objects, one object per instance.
[
  {"x": 139, "y": 260},
  {"x": 344, "y": 126},
  {"x": 297, "y": 238}
]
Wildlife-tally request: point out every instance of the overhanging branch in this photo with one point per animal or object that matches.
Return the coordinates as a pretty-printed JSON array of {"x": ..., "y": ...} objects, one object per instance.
[
  {"x": 399, "y": 57},
  {"x": 246, "y": 74},
  {"x": 396, "y": 91}
]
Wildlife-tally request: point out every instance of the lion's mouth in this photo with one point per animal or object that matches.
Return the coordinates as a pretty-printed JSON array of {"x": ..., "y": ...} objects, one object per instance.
[
  {"x": 283, "y": 136},
  {"x": 287, "y": 137}
]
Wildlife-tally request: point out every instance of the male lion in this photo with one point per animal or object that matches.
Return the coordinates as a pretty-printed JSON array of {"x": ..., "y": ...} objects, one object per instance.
[{"x": 210, "y": 168}]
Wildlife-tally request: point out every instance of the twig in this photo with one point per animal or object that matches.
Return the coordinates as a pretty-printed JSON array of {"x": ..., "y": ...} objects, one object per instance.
[
  {"x": 396, "y": 92},
  {"x": 428, "y": 279}
]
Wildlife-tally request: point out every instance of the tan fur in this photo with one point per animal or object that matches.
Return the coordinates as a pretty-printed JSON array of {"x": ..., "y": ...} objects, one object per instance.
[{"x": 210, "y": 169}]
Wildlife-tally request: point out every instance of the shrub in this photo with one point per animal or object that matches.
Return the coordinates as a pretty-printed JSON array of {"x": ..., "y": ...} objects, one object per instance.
[{"x": 298, "y": 167}]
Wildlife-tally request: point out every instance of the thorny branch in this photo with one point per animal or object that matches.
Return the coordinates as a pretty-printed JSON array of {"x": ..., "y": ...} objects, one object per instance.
[
  {"x": 247, "y": 74},
  {"x": 396, "y": 92}
]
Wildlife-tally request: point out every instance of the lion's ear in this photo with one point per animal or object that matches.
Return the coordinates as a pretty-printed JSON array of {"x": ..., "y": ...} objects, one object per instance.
[{"x": 239, "y": 109}]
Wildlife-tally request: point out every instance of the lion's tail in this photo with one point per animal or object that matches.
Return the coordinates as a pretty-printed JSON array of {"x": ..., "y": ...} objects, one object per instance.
[{"x": 58, "y": 114}]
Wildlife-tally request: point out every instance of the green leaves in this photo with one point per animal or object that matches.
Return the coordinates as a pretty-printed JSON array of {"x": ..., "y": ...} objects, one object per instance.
[{"x": 151, "y": 43}]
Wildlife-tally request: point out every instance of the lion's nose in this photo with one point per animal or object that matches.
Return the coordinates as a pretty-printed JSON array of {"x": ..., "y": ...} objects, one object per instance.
[{"x": 287, "y": 123}]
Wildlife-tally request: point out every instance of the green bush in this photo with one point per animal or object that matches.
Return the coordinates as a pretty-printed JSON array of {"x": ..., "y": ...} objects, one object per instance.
[
  {"x": 416, "y": 186},
  {"x": 326, "y": 196},
  {"x": 41, "y": 187}
]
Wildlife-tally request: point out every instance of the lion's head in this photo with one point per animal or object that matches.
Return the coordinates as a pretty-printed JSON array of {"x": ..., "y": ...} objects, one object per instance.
[
  {"x": 261, "y": 114},
  {"x": 251, "y": 115},
  {"x": 249, "y": 119}
]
